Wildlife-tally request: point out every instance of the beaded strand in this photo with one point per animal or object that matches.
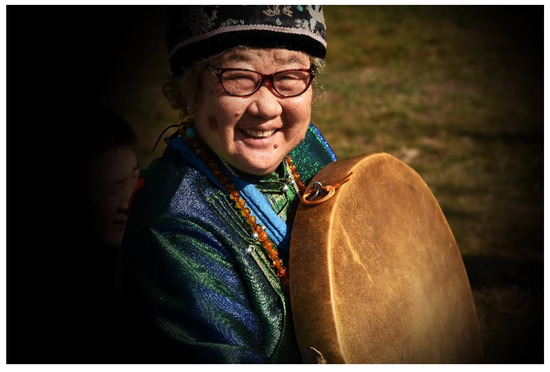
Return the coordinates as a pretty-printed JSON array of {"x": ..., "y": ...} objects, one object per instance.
[
  {"x": 258, "y": 231},
  {"x": 296, "y": 178}
]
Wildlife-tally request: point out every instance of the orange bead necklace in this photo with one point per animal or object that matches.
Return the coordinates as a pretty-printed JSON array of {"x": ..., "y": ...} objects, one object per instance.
[{"x": 258, "y": 231}]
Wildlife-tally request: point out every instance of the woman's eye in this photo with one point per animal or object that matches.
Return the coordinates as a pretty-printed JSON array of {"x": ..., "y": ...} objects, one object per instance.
[{"x": 240, "y": 77}]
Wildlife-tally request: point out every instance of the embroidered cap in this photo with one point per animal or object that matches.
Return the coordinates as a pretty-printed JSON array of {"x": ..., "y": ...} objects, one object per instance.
[{"x": 194, "y": 32}]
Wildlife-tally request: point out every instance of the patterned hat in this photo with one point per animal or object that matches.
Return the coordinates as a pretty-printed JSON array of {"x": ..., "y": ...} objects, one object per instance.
[{"x": 194, "y": 32}]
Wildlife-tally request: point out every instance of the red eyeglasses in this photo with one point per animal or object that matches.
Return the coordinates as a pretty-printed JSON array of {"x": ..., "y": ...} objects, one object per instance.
[{"x": 243, "y": 83}]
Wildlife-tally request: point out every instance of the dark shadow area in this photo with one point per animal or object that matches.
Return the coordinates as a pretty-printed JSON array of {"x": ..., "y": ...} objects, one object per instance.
[
  {"x": 58, "y": 62},
  {"x": 487, "y": 271},
  {"x": 509, "y": 297}
]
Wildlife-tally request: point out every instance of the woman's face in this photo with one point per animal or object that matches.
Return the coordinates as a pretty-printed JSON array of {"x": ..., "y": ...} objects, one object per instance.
[
  {"x": 112, "y": 178},
  {"x": 254, "y": 133}
]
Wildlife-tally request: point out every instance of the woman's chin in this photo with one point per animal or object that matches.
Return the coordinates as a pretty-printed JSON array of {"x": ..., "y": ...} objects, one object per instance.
[{"x": 259, "y": 167}]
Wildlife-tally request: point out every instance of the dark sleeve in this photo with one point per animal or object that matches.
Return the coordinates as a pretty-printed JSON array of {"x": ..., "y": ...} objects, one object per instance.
[{"x": 183, "y": 299}]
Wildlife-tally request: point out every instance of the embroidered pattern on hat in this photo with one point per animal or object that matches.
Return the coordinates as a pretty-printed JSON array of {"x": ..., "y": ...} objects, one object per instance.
[{"x": 208, "y": 20}]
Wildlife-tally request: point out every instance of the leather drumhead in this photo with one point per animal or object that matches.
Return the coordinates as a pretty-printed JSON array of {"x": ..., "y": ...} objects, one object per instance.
[{"x": 376, "y": 275}]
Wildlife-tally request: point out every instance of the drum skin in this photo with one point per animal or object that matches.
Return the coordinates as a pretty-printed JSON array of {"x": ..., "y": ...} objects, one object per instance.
[{"x": 376, "y": 275}]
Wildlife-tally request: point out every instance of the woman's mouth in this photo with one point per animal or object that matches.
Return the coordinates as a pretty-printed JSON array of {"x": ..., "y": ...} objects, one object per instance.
[{"x": 258, "y": 133}]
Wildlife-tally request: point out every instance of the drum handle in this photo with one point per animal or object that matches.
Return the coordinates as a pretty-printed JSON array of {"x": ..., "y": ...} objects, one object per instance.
[{"x": 316, "y": 187}]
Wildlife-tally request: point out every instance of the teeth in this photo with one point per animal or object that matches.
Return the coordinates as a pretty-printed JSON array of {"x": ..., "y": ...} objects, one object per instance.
[{"x": 259, "y": 133}]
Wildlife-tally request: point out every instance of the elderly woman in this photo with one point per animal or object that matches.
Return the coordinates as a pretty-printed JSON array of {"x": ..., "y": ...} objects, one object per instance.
[{"x": 204, "y": 261}]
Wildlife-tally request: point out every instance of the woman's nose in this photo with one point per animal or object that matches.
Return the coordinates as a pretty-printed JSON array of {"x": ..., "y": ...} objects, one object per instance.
[
  {"x": 124, "y": 204},
  {"x": 265, "y": 102},
  {"x": 126, "y": 196}
]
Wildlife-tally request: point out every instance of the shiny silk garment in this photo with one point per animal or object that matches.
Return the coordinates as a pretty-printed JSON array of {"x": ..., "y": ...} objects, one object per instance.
[{"x": 190, "y": 290}]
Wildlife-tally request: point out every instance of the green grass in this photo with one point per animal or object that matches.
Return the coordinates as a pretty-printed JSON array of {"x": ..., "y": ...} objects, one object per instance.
[{"x": 456, "y": 92}]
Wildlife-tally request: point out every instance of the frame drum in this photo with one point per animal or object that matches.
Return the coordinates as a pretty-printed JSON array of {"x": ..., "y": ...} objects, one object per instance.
[{"x": 376, "y": 275}]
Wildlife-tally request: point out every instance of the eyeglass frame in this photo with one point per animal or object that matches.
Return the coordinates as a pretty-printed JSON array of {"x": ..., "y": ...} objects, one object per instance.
[{"x": 269, "y": 77}]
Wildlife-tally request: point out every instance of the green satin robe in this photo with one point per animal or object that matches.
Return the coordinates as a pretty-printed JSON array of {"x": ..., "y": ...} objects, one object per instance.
[{"x": 190, "y": 289}]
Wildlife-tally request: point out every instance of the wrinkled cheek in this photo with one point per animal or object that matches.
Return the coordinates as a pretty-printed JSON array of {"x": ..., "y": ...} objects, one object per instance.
[
  {"x": 300, "y": 132},
  {"x": 213, "y": 124}
]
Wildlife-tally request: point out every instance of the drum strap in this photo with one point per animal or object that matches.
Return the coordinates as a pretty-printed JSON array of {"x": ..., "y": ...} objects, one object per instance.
[{"x": 317, "y": 187}]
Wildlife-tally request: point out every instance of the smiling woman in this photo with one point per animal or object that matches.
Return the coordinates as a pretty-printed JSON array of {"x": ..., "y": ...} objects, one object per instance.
[
  {"x": 254, "y": 132},
  {"x": 240, "y": 72},
  {"x": 203, "y": 263}
]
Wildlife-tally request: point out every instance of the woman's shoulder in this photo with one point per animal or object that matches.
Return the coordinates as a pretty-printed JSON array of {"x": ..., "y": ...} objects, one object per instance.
[
  {"x": 172, "y": 186},
  {"x": 312, "y": 154}
]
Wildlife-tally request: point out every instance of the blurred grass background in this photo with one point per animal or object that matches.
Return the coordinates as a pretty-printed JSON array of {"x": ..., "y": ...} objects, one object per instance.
[{"x": 454, "y": 91}]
